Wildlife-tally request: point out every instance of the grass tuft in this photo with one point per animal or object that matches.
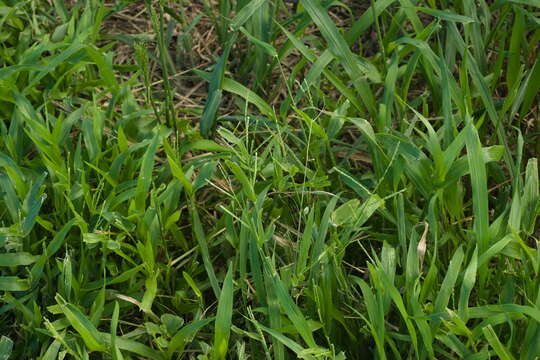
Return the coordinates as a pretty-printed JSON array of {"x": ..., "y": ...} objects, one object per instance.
[{"x": 269, "y": 179}]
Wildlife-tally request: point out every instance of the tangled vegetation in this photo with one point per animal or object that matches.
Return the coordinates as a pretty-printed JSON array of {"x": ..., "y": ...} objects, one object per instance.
[{"x": 269, "y": 179}]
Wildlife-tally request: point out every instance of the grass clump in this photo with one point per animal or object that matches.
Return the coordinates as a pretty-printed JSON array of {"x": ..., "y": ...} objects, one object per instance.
[{"x": 269, "y": 179}]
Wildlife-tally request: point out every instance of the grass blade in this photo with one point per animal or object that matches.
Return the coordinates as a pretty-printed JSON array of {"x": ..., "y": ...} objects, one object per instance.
[
  {"x": 223, "y": 318},
  {"x": 479, "y": 188}
]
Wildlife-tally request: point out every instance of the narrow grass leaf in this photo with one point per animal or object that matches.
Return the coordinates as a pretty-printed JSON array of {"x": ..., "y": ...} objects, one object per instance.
[
  {"x": 467, "y": 285},
  {"x": 215, "y": 90},
  {"x": 116, "y": 354},
  {"x": 84, "y": 327},
  {"x": 203, "y": 247},
  {"x": 293, "y": 312},
  {"x": 448, "y": 284},
  {"x": 235, "y": 87},
  {"x": 16, "y": 259},
  {"x": 496, "y": 344},
  {"x": 245, "y": 13},
  {"x": 222, "y": 325},
  {"x": 479, "y": 188},
  {"x": 13, "y": 283},
  {"x": 181, "y": 338},
  {"x": 447, "y": 15},
  {"x": 291, "y": 344},
  {"x": 515, "y": 49}
]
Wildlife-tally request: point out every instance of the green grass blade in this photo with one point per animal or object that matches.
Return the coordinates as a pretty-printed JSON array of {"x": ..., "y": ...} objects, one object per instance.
[
  {"x": 84, "y": 327},
  {"x": 199, "y": 234},
  {"x": 479, "y": 188},
  {"x": 245, "y": 13},
  {"x": 215, "y": 90},
  {"x": 496, "y": 344},
  {"x": 469, "y": 278},
  {"x": 180, "y": 339},
  {"x": 13, "y": 283},
  {"x": 448, "y": 284},
  {"x": 116, "y": 354},
  {"x": 222, "y": 324},
  {"x": 16, "y": 259}
]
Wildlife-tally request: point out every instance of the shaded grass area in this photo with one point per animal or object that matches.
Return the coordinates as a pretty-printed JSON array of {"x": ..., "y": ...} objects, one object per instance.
[{"x": 269, "y": 179}]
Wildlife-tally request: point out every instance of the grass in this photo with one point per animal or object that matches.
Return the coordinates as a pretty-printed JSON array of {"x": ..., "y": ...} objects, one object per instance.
[{"x": 269, "y": 179}]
